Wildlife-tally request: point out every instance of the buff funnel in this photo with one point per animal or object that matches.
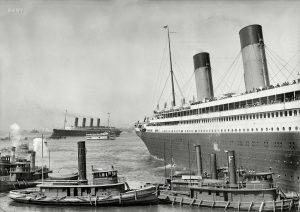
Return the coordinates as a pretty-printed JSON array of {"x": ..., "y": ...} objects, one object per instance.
[
  {"x": 91, "y": 122},
  {"x": 203, "y": 76},
  {"x": 254, "y": 57}
]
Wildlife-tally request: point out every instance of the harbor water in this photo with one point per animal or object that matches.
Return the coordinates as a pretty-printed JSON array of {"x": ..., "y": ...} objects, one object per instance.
[{"x": 127, "y": 154}]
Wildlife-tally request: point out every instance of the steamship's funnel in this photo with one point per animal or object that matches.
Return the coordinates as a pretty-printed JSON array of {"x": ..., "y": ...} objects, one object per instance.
[
  {"x": 203, "y": 76},
  {"x": 91, "y": 122},
  {"x": 76, "y": 122},
  {"x": 98, "y": 122},
  {"x": 83, "y": 122},
  {"x": 254, "y": 57}
]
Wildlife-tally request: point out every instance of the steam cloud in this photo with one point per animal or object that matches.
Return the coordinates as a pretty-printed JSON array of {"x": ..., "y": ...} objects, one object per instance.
[
  {"x": 37, "y": 146},
  {"x": 216, "y": 147},
  {"x": 15, "y": 135}
]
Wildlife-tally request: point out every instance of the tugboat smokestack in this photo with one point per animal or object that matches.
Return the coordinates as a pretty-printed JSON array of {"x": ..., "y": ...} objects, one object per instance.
[
  {"x": 81, "y": 161},
  {"x": 91, "y": 122},
  {"x": 199, "y": 160},
  {"x": 213, "y": 165},
  {"x": 203, "y": 76},
  {"x": 231, "y": 167},
  {"x": 32, "y": 160},
  {"x": 76, "y": 122},
  {"x": 254, "y": 57},
  {"x": 83, "y": 122},
  {"x": 98, "y": 122}
]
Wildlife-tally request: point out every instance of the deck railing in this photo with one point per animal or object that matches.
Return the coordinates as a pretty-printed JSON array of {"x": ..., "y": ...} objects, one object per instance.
[{"x": 256, "y": 186}]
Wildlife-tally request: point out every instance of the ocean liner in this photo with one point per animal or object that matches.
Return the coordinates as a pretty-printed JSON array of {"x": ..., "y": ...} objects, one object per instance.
[
  {"x": 262, "y": 125},
  {"x": 82, "y": 130}
]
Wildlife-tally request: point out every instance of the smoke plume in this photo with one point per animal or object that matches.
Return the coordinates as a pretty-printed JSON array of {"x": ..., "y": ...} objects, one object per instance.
[
  {"x": 15, "y": 135},
  {"x": 38, "y": 148}
]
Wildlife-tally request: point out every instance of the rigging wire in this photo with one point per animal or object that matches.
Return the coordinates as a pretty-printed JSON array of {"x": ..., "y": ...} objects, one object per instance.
[
  {"x": 233, "y": 70},
  {"x": 236, "y": 77},
  {"x": 279, "y": 70},
  {"x": 280, "y": 58},
  {"x": 159, "y": 80},
  {"x": 178, "y": 86},
  {"x": 228, "y": 79},
  {"x": 187, "y": 86},
  {"x": 286, "y": 63},
  {"x": 271, "y": 70},
  {"x": 224, "y": 76},
  {"x": 164, "y": 87}
]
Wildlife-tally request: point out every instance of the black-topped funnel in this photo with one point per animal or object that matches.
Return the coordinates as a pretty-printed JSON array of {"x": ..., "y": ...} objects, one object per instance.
[
  {"x": 203, "y": 76},
  {"x": 254, "y": 57}
]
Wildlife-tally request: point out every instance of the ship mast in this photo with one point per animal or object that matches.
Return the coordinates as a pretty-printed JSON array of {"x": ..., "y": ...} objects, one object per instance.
[
  {"x": 65, "y": 119},
  {"x": 42, "y": 159},
  {"x": 171, "y": 67},
  {"x": 108, "y": 120}
]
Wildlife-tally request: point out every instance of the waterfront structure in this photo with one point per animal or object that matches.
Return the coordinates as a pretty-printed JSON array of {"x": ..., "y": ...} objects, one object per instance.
[{"x": 261, "y": 125}]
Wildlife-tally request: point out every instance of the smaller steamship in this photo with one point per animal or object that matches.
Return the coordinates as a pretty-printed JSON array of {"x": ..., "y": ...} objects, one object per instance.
[{"x": 83, "y": 130}]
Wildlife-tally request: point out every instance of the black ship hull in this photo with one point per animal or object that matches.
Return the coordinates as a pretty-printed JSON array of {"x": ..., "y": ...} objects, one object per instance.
[
  {"x": 277, "y": 152},
  {"x": 60, "y": 133}
]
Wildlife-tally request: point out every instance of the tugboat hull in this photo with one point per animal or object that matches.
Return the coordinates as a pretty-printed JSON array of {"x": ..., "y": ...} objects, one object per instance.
[{"x": 136, "y": 197}]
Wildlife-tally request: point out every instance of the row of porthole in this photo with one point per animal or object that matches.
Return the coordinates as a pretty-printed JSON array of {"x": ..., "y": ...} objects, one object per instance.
[
  {"x": 278, "y": 144},
  {"x": 278, "y": 176},
  {"x": 232, "y": 130}
]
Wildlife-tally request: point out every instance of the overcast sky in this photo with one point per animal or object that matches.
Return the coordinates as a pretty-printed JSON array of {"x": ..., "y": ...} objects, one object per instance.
[{"x": 95, "y": 57}]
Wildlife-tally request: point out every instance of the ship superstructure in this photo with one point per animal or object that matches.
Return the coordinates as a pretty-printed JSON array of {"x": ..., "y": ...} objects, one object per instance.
[{"x": 262, "y": 125}]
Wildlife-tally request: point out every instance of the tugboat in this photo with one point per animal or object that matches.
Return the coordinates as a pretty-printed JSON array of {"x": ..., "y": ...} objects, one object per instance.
[
  {"x": 17, "y": 173},
  {"x": 255, "y": 191},
  {"x": 106, "y": 189}
]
